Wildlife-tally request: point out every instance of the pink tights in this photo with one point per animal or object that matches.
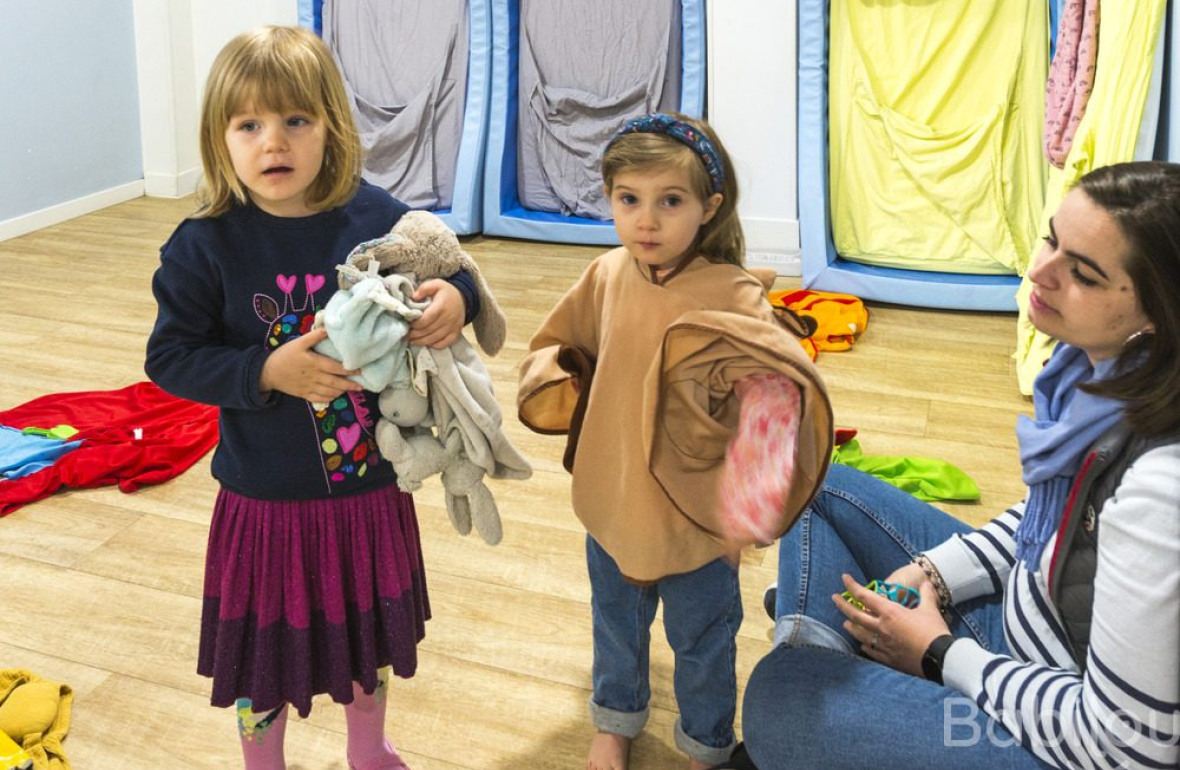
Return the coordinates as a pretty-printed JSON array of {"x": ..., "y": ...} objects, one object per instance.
[
  {"x": 262, "y": 736},
  {"x": 368, "y": 749}
]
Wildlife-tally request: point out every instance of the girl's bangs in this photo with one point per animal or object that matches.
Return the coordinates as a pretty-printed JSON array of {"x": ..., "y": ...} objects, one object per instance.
[{"x": 268, "y": 87}]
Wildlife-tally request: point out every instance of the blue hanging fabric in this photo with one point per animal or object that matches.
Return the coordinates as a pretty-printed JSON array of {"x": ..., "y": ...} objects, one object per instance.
[
  {"x": 311, "y": 15},
  {"x": 1054, "y": 20},
  {"x": 1168, "y": 142}
]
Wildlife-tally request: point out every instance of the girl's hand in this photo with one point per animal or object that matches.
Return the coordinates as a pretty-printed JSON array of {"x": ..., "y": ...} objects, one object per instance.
[
  {"x": 297, "y": 370},
  {"x": 441, "y": 322},
  {"x": 888, "y": 632}
]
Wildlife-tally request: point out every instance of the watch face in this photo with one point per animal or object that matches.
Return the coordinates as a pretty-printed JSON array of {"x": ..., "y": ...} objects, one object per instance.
[
  {"x": 931, "y": 668},
  {"x": 934, "y": 656}
]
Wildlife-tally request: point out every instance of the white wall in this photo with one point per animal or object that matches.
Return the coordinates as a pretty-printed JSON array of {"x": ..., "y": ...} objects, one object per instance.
[
  {"x": 167, "y": 96},
  {"x": 101, "y": 100},
  {"x": 176, "y": 42},
  {"x": 752, "y": 107},
  {"x": 216, "y": 21},
  {"x": 69, "y": 134}
]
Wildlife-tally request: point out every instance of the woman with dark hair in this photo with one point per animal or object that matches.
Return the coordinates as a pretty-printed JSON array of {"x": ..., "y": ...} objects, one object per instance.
[{"x": 1051, "y": 636}]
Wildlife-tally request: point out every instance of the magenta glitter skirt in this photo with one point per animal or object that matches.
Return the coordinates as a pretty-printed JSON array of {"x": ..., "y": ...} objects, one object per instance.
[{"x": 304, "y": 597}]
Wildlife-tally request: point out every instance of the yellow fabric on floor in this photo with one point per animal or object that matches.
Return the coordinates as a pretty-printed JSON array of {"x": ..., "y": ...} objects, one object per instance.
[
  {"x": 12, "y": 756},
  {"x": 1127, "y": 37},
  {"x": 935, "y": 118},
  {"x": 35, "y": 713}
]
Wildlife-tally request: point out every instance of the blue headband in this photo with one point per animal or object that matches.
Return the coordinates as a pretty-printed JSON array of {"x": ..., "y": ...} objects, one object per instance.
[{"x": 660, "y": 123}]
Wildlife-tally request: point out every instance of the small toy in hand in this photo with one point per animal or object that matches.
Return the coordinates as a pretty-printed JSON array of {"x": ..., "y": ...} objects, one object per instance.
[{"x": 895, "y": 592}]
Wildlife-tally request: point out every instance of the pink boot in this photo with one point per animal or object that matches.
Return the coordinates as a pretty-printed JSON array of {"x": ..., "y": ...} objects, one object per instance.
[
  {"x": 368, "y": 749},
  {"x": 262, "y": 737}
]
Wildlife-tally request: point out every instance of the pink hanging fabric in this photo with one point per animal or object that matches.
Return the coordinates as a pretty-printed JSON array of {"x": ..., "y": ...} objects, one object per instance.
[{"x": 1071, "y": 77}]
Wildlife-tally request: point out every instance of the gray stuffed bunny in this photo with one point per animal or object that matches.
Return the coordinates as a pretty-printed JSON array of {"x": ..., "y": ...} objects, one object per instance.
[
  {"x": 405, "y": 438},
  {"x": 442, "y": 416}
]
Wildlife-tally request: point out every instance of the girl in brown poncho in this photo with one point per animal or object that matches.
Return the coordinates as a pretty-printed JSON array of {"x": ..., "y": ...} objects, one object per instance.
[{"x": 649, "y": 363}]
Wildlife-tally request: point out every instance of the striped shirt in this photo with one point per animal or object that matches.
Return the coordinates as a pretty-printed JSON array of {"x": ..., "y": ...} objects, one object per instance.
[{"x": 1124, "y": 711}]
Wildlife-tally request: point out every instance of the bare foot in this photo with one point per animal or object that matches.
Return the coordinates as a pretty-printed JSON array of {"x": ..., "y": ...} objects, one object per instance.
[{"x": 608, "y": 751}]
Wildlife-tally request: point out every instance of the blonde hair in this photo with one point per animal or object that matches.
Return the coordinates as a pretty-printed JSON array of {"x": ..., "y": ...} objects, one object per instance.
[
  {"x": 277, "y": 69},
  {"x": 720, "y": 239}
]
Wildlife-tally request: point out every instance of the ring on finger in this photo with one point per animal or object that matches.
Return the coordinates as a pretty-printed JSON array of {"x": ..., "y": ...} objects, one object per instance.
[{"x": 876, "y": 638}]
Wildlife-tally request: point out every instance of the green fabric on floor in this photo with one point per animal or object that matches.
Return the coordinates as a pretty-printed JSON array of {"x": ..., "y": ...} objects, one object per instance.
[{"x": 923, "y": 477}]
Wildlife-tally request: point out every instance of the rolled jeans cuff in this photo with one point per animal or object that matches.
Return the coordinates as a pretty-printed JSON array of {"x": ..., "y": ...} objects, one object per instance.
[
  {"x": 802, "y": 631},
  {"x": 709, "y": 755},
  {"x": 628, "y": 724}
]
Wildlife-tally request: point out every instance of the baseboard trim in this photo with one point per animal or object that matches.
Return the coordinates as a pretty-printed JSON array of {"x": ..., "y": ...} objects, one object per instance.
[
  {"x": 787, "y": 263},
  {"x": 61, "y": 212},
  {"x": 773, "y": 243},
  {"x": 171, "y": 185}
]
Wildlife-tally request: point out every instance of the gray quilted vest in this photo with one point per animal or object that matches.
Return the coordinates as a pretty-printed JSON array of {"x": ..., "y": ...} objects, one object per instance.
[{"x": 1075, "y": 560}]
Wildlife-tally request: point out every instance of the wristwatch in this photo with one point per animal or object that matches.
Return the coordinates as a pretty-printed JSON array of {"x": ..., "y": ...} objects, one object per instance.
[{"x": 933, "y": 657}]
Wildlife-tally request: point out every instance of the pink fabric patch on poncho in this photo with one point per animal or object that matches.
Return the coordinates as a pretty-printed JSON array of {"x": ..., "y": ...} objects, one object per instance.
[{"x": 760, "y": 459}]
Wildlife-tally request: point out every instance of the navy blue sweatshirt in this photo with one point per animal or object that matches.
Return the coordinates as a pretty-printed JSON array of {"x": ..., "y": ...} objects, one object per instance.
[{"x": 229, "y": 290}]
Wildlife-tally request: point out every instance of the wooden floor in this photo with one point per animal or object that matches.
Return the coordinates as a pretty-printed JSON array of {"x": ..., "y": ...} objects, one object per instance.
[{"x": 101, "y": 590}]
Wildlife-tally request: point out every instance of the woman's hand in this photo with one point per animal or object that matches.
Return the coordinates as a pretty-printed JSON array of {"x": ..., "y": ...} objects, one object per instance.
[
  {"x": 442, "y": 321},
  {"x": 888, "y": 632},
  {"x": 297, "y": 370},
  {"x": 911, "y": 575}
]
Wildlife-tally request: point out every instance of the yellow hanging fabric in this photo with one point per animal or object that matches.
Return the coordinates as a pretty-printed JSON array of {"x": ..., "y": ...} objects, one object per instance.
[
  {"x": 935, "y": 119},
  {"x": 1127, "y": 37}
]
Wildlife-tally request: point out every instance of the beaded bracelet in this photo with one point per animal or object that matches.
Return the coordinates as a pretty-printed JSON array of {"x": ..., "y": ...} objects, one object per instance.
[{"x": 944, "y": 593}]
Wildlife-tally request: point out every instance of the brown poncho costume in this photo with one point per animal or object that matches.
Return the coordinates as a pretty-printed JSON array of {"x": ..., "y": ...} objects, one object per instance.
[{"x": 659, "y": 410}]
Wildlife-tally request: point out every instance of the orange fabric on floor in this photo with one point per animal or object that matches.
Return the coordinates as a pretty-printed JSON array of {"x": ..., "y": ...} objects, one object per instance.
[{"x": 840, "y": 318}]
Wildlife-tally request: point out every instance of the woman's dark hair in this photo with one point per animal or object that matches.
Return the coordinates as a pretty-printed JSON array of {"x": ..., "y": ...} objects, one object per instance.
[{"x": 1143, "y": 198}]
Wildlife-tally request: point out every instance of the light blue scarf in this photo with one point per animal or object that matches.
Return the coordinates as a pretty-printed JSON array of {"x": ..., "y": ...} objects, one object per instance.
[{"x": 1066, "y": 421}]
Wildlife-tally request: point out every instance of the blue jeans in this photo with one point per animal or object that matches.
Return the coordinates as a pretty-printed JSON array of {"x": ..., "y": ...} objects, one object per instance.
[
  {"x": 702, "y": 613},
  {"x": 813, "y": 701}
]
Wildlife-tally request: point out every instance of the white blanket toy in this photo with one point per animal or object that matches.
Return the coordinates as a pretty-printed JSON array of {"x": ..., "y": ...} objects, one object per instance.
[{"x": 438, "y": 411}]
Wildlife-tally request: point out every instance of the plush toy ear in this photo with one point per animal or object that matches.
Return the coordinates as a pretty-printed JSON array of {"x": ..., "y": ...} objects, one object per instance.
[{"x": 388, "y": 252}]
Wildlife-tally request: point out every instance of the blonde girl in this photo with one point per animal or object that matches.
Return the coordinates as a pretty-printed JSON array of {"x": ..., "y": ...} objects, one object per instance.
[{"x": 314, "y": 582}]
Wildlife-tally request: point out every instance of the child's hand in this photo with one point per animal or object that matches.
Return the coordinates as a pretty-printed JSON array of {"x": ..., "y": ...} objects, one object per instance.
[
  {"x": 441, "y": 322},
  {"x": 297, "y": 370}
]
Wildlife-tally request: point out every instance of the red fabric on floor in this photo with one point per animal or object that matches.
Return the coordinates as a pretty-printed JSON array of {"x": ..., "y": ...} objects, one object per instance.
[{"x": 175, "y": 434}]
